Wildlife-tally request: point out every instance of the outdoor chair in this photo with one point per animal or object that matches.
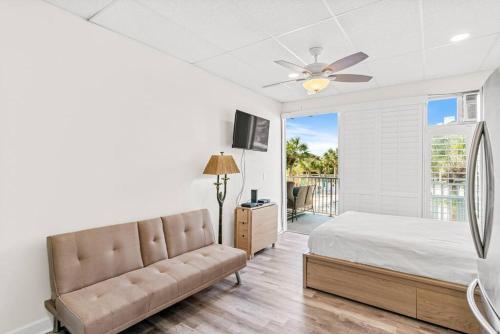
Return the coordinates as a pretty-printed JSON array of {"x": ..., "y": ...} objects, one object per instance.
[
  {"x": 299, "y": 200},
  {"x": 290, "y": 198},
  {"x": 309, "y": 202}
]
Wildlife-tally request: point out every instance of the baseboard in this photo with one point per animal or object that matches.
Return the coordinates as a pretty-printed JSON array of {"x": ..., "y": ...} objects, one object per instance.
[{"x": 40, "y": 326}]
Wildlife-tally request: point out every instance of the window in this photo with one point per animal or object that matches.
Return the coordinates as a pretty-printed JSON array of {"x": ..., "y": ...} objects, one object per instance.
[
  {"x": 448, "y": 177},
  {"x": 450, "y": 126},
  {"x": 442, "y": 111},
  {"x": 456, "y": 109}
]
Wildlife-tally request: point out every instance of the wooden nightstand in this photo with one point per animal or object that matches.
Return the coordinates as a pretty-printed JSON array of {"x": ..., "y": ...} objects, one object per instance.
[{"x": 255, "y": 228}]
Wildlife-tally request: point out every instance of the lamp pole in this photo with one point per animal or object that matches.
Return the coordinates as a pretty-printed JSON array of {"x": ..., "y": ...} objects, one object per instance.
[{"x": 221, "y": 196}]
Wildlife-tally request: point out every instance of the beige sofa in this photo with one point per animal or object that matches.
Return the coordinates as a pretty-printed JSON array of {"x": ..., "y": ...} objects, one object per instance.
[{"x": 106, "y": 279}]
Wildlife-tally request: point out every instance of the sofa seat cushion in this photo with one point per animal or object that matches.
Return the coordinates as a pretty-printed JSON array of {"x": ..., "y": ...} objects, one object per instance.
[
  {"x": 107, "y": 305},
  {"x": 187, "y": 276},
  {"x": 195, "y": 268},
  {"x": 214, "y": 261}
]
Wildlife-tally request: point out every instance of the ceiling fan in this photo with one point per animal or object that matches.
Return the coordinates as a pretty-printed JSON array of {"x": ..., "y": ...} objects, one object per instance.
[{"x": 317, "y": 76}]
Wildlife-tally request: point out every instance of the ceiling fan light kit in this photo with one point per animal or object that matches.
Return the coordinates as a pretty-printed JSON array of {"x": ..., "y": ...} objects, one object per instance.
[
  {"x": 316, "y": 85},
  {"x": 317, "y": 76}
]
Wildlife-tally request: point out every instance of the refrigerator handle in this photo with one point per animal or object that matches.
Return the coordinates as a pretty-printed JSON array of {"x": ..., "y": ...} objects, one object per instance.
[
  {"x": 490, "y": 190},
  {"x": 471, "y": 186},
  {"x": 471, "y": 289}
]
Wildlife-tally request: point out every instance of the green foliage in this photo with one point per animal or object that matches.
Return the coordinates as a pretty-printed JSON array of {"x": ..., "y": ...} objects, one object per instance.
[
  {"x": 300, "y": 161},
  {"x": 449, "y": 159}
]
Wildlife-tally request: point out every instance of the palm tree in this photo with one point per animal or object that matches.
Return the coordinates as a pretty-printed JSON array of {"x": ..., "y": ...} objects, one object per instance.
[
  {"x": 311, "y": 165},
  {"x": 330, "y": 161},
  {"x": 295, "y": 152}
]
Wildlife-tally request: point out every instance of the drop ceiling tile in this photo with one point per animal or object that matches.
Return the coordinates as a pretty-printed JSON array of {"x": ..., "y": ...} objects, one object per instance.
[
  {"x": 84, "y": 9},
  {"x": 444, "y": 19},
  {"x": 326, "y": 34},
  {"x": 231, "y": 68},
  {"x": 404, "y": 68},
  {"x": 220, "y": 22},
  {"x": 342, "y": 6},
  {"x": 138, "y": 22},
  {"x": 284, "y": 93},
  {"x": 385, "y": 28},
  {"x": 492, "y": 60},
  {"x": 261, "y": 56},
  {"x": 349, "y": 87},
  {"x": 280, "y": 16},
  {"x": 457, "y": 58}
]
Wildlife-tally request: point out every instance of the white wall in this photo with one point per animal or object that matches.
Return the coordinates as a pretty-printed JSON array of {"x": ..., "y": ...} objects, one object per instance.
[{"x": 97, "y": 129}]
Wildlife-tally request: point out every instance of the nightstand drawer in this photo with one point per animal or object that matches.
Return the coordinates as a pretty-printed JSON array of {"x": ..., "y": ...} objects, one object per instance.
[
  {"x": 243, "y": 235},
  {"x": 242, "y": 227}
]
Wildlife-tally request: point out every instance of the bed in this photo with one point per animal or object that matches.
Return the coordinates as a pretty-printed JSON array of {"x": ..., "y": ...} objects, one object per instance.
[{"x": 413, "y": 266}]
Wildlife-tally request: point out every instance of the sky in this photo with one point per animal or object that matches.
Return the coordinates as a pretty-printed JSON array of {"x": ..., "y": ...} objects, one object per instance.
[
  {"x": 319, "y": 132},
  {"x": 437, "y": 110}
]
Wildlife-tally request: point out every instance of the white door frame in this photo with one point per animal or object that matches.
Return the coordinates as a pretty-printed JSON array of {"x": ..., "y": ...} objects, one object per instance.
[{"x": 284, "y": 116}]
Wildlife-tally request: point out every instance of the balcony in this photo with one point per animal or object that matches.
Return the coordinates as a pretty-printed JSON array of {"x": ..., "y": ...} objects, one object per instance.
[{"x": 311, "y": 201}]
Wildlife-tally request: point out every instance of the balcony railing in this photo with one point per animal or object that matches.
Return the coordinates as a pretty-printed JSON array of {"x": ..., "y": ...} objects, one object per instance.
[
  {"x": 448, "y": 201},
  {"x": 325, "y": 196}
]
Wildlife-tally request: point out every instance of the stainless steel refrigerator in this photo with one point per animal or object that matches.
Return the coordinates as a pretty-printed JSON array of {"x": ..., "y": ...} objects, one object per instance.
[{"x": 484, "y": 160}]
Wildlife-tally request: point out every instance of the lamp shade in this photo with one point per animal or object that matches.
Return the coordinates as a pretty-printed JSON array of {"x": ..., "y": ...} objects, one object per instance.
[{"x": 221, "y": 164}]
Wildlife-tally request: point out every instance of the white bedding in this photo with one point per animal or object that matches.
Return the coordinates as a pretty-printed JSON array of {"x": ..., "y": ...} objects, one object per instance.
[{"x": 424, "y": 247}]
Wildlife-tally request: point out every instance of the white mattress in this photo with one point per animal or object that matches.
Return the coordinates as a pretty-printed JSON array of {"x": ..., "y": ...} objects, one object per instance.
[{"x": 424, "y": 247}]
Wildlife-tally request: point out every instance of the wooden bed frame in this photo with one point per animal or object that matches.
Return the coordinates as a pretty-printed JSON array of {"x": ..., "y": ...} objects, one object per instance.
[{"x": 438, "y": 302}]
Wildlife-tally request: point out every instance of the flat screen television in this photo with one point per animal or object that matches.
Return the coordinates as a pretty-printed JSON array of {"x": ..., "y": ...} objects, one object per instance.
[{"x": 250, "y": 132}]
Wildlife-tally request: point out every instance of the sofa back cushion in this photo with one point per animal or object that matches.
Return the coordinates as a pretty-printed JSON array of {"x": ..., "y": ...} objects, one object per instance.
[
  {"x": 187, "y": 231},
  {"x": 83, "y": 258},
  {"x": 152, "y": 237}
]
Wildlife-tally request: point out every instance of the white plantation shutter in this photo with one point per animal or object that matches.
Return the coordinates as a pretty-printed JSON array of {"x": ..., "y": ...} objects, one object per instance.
[
  {"x": 401, "y": 161},
  {"x": 381, "y": 160},
  {"x": 359, "y": 182}
]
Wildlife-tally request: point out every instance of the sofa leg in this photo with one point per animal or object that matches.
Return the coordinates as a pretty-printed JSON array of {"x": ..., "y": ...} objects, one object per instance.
[
  {"x": 238, "y": 278},
  {"x": 57, "y": 326}
]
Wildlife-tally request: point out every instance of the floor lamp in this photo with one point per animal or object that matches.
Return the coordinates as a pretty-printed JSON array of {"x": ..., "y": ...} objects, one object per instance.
[{"x": 221, "y": 165}]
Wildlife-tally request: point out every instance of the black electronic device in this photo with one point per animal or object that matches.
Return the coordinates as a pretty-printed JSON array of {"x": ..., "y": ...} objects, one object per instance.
[
  {"x": 254, "y": 196},
  {"x": 250, "y": 204},
  {"x": 250, "y": 132}
]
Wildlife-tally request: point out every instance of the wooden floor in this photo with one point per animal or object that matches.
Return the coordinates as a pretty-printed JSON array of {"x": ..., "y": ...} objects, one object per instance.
[{"x": 272, "y": 300}]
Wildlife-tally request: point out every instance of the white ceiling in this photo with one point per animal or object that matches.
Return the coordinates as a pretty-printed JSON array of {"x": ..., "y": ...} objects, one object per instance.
[{"x": 407, "y": 40}]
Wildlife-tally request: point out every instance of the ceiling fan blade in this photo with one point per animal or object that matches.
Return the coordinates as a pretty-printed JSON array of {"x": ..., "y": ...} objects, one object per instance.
[
  {"x": 283, "y": 82},
  {"x": 292, "y": 66},
  {"x": 346, "y": 62},
  {"x": 350, "y": 77}
]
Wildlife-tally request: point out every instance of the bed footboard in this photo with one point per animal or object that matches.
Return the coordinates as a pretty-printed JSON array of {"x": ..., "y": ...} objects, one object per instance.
[{"x": 438, "y": 302}]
